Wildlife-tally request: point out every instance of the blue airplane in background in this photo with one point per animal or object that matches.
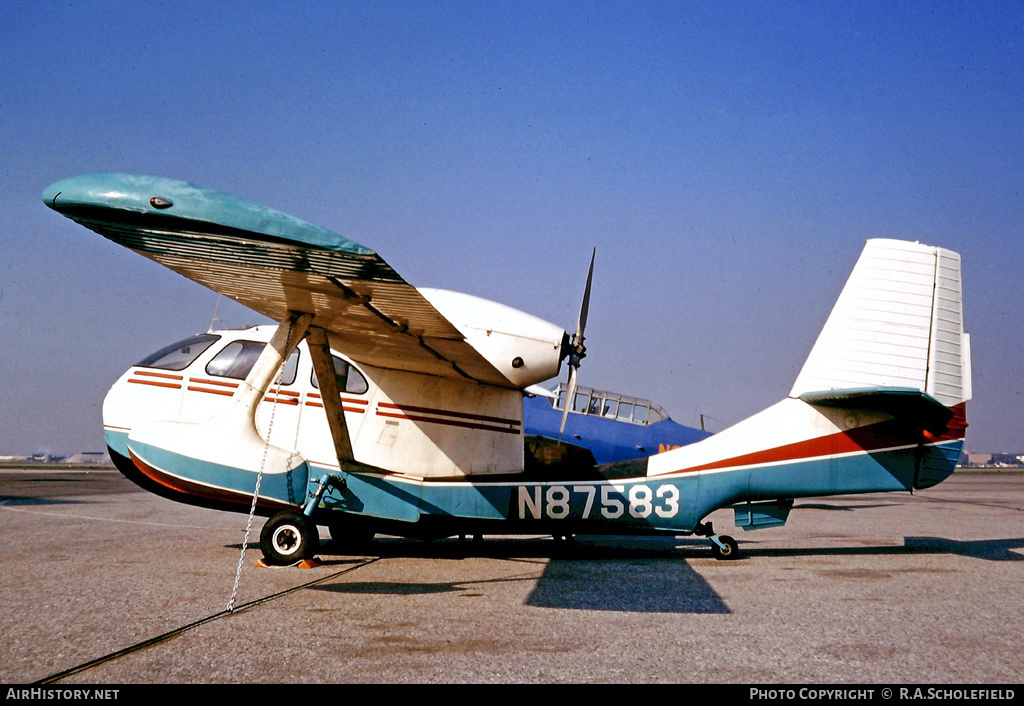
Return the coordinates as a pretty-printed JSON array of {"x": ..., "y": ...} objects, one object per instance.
[{"x": 611, "y": 426}]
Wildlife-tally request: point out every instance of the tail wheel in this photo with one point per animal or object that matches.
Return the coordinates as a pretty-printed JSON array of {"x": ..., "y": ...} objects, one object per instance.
[
  {"x": 730, "y": 551},
  {"x": 288, "y": 538}
]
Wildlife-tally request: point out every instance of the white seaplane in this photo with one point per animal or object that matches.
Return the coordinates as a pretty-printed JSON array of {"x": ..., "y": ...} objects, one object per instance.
[{"x": 376, "y": 407}]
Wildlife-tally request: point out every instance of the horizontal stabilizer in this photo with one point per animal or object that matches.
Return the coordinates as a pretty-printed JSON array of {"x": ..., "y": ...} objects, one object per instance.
[{"x": 900, "y": 402}]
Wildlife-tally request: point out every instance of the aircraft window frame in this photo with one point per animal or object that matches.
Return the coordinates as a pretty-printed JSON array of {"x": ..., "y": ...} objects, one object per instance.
[
  {"x": 190, "y": 348},
  {"x": 611, "y": 405},
  {"x": 239, "y": 370},
  {"x": 581, "y": 402},
  {"x": 349, "y": 384}
]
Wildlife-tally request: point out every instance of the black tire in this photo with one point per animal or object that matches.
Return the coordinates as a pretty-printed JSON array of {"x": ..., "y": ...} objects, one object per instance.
[
  {"x": 288, "y": 538},
  {"x": 731, "y": 551}
]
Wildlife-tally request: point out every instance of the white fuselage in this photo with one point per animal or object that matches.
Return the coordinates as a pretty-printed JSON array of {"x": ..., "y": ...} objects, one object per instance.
[{"x": 404, "y": 422}]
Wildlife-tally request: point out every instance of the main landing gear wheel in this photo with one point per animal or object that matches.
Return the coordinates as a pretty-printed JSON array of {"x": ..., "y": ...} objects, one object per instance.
[
  {"x": 730, "y": 549},
  {"x": 288, "y": 538}
]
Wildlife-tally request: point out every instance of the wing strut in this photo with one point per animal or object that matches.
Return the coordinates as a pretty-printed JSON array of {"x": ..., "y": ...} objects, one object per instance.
[
  {"x": 323, "y": 365},
  {"x": 287, "y": 337}
]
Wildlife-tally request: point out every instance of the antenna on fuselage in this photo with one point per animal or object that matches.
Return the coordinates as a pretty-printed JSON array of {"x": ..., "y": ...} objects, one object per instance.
[{"x": 215, "y": 312}]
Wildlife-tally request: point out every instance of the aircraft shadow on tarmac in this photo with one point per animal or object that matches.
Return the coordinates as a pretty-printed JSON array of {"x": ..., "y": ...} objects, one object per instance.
[
  {"x": 841, "y": 508},
  {"x": 20, "y": 501},
  {"x": 635, "y": 575},
  {"x": 55, "y": 490},
  {"x": 640, "y": 585},
  {"x": 987, "y": 549}
]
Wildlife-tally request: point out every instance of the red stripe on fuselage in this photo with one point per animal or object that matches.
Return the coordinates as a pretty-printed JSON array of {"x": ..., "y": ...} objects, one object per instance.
[
  {"x": 226, "y": 393},
  {"x": 357, "y": 410},
  {"x": 458, "y": 415},
  {"x": 880, "y": 436},
  {"x": 447, "y": 422},
  {"x": 169, "y": 376},
  {"x": 222, "y": 383}
]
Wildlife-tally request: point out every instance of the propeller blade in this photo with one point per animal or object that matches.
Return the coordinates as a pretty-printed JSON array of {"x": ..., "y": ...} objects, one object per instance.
[
  {"x": 576, "y": 350},
  {"x": 567, "y": 401},
  {"x": 585, "y": 309}
]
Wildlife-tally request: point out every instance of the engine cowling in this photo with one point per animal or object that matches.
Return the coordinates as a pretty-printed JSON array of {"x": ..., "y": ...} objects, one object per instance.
[{"x": 522, "y": 347}]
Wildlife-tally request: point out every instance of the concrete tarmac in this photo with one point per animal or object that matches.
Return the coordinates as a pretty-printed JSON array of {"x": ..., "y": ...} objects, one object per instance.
[{"x": 103, "y": 583}]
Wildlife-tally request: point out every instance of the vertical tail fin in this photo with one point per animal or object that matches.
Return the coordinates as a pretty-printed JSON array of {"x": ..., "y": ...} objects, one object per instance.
[
  {"x": 878, "y": 406},
  {"x": 898, "y": 323}
]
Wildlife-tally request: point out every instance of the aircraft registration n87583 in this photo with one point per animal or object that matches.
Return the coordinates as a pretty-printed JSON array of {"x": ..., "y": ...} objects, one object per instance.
[{"x": 376, "y": 407}]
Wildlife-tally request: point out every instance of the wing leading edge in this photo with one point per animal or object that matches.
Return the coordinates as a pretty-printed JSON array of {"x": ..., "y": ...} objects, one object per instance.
[{"x": 275, "y": 264}]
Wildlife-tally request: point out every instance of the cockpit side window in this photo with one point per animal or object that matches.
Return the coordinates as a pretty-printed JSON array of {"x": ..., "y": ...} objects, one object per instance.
[
  {"x": 180, "y": 355},
  {"x": 350, "y": 380},
  {"x": 238, "y": 357}
]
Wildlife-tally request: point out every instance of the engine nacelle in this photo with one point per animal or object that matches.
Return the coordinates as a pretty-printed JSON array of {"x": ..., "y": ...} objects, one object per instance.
[{"x": 525, "y": 349}]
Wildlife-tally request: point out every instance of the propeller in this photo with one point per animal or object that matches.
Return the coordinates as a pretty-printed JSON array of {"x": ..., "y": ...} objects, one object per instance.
[{"x": 575, "y": 350}]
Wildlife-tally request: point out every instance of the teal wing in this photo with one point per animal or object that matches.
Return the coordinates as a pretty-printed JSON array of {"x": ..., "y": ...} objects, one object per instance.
[{"x": 274, "y": 264}]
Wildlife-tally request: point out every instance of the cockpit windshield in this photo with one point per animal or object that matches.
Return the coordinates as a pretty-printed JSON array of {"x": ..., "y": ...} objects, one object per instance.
[{"x": 180, "y": 355}]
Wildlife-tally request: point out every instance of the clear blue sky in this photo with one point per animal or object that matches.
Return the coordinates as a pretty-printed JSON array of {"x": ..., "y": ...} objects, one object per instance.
[{"x": 727, "y": 160}]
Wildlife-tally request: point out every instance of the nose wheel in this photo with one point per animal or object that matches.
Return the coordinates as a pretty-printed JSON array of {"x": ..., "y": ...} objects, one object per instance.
[{"x": 288, "y": 538}]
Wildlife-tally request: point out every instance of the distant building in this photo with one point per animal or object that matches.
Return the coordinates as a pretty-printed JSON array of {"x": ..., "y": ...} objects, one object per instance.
[
  {"x": 89, "y": 458},
  {"x": 989, "y": 460}
]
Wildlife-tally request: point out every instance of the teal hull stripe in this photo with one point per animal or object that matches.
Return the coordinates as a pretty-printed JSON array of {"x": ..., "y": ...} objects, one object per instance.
[
  {"x": 667, "y": 503},
  {"x": 670, "y": 503},
  {"x": 290, "y": 487}
]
